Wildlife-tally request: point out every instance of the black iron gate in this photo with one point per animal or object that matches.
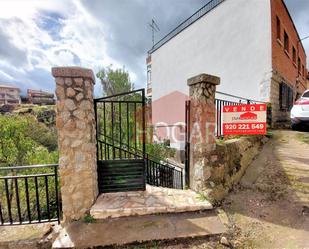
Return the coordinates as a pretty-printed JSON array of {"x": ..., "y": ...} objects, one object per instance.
[
  {"x": 123, "y": 164},
  {"x": 121, "y": 141},
  {"x": 187, "y": 143}
]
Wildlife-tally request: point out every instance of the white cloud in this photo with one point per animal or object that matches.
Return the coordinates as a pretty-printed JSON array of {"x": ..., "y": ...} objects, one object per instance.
[
  {"x": 78, "y": 38},
  {"x": 39, "y": 34}
]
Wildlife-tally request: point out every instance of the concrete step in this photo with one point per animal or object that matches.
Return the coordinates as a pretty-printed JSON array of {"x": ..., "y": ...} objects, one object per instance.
[
  {"x": 125, "y": 230},
  {"x": 153, "y": 200}
]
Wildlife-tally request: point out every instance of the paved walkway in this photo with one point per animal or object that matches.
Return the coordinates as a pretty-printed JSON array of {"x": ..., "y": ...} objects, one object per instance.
[
  {"x": 153, "y": 200},
  {"x": 29, "y": 236}
]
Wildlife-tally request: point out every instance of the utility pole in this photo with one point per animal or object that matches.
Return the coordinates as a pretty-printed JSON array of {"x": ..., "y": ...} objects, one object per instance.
[{"x": 154, "y": 28}]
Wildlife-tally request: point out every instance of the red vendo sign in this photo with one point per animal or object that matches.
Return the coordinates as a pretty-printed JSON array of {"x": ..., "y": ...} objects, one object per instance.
[{"x": 244, "y": 119}]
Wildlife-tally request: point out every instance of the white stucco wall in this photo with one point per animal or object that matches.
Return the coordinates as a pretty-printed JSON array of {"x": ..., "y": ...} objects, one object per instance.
[{"x": 233, "y": 41}]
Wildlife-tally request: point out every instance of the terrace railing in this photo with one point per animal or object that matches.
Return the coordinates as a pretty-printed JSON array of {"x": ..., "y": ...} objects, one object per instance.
[
  {"x": 228, "y": 100},
  {"x": 29, "y": 194},
  {"x": 197, "y": 15}
]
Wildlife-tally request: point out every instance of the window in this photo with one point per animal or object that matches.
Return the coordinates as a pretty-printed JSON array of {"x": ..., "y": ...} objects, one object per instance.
[
  {"x": 298, "y": 64},
  {"x": 303, "y": 70},
  {"x": 286, "y": 42},
  {"x": 148, "y": 76},
  {"x": 278, "y": 28},
  {"x": 285, "y": 97},
  {"x": 294, "y": 55}
]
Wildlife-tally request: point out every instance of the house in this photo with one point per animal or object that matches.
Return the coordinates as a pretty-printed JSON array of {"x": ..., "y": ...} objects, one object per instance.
[
  {"x": 9, "y": 95},
  {"x": 253, "y": 46},
  {"x": 39, "y": 97}
]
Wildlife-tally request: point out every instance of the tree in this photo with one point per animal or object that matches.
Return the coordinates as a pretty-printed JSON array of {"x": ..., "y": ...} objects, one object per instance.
[
  {"x": 14, "y": 142},
  {"x": 20, "y": 138},
  {"x": 115, "y": 81},
  {"x": 22, "y": 142}
]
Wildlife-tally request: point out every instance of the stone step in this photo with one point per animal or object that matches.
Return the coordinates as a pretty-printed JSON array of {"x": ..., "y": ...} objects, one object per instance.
[
  {"x": 153, "y": 200},
  {"x": 126, "y": 230}
]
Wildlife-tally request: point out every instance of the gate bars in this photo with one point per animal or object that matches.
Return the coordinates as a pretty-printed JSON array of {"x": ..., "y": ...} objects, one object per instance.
[
  {"x": 31, "y": 197},
  {"x": 121, "y": 134},
  {"x": 120, "y": 125}
]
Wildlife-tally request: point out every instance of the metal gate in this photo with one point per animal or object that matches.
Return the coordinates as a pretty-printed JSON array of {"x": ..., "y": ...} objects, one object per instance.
[
  {"x": 187, "y": 144},
  {"x": 123, "y": 164},
  {"x": 121, "y": 141}
]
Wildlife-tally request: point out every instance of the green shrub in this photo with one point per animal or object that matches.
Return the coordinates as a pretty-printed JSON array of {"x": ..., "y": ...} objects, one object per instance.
[
  {"x": 23, "y": 141},
  {"x": 42, "y": 134},
  {"x": 89, "y": 219},
  {"x": 160, "y": 151}
]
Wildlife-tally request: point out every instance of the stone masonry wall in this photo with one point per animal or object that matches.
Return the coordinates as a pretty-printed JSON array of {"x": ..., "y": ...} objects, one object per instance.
[
  {"x": 202, "y": 124},
  {"x": 214, "y": 166},
  {"x": 75, "y": 121},
  {"x": 228, "y": 163}
]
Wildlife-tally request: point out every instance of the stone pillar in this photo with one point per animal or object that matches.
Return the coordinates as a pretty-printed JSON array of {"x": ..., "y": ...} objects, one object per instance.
[
  {"x": 202, "y": 90},
  {"x": 75, "y": 121}
]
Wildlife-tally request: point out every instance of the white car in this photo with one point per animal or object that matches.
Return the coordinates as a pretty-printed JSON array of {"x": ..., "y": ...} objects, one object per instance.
[{"x": 300, "y": 111}]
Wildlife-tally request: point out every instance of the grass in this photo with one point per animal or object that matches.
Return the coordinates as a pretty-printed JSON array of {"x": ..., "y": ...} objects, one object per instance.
[
  {"x": 303, "y": 137},
  {"x": 89, "y": 219},
  {"x": 201, "y": 196}
]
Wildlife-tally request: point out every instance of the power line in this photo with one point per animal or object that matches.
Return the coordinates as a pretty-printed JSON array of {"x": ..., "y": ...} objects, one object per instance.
[{"x": 304, "y": 38}]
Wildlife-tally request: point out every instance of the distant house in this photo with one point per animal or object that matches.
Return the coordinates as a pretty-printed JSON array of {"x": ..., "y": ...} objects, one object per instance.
[
  {"x": 39, "y": 97},
  {"x": 253, "y": 46},
  {"x": 9, "y": 95}
]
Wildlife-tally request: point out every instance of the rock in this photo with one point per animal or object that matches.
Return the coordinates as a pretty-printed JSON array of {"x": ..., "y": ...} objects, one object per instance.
[
  {"x": 70, "y": 92},
  {"x": 78, "y": 81},
  {"x": 79, "y": 89},
  {"x": 237, "y": 244},
  {"x": 305, "y": 210},
  {"x": 70, "y": 125},
  {"x": 68, "y": 81},
  {"x": 60, "y": 81},
  {"x": 85, "y": 105},
  {"x": 224, "y": 241},
  {"x": 69, "y": 104},
  {"x": 60, "y": 93},
  {"x": 88, "y": 84},
  {"x": 59, "y": 122},
  {"x": 79, "y": 114},
  {"x": 79, "y": 96},
  {"x": 81, "y": 125},
  {"x": 65, "y": 116}
]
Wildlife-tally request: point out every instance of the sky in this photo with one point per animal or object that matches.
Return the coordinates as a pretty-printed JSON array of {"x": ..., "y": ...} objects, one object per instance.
[{"x": 36, "y": 35}]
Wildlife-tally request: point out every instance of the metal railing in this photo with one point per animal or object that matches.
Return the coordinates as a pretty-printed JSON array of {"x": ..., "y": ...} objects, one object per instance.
[
  {"x": 197, "y": 15},
  {"x": 219, "y": 119},
  {"x": 219, "y": 103},
  {"x": 29, "y": 194},
  {"x": 158, "y": 172}
]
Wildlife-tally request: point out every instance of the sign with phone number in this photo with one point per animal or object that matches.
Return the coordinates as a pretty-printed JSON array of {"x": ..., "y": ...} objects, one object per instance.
[{"x": 244, "y": 119}]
